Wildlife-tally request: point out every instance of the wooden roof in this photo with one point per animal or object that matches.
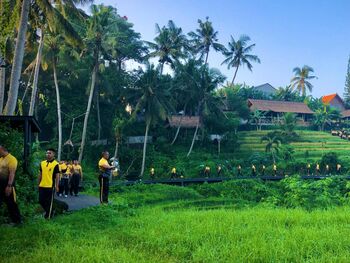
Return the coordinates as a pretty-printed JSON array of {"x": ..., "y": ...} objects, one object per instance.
[
  {"x": 345, "y": 114},
  {"x": 184, "y": 121},
  {"x": 279, "y": 106}
]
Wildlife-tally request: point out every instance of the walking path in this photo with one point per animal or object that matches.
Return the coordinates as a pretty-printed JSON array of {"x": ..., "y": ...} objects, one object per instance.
[{"x": 78, "y": 202}]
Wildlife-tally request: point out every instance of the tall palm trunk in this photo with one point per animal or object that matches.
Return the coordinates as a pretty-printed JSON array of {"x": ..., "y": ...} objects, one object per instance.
[
  {"x": 179, "y": 126},
  {"x": 193, "y": 139},
  {"x": 98, "y": 114},
  {"x": 2, "y": 87},
  {"x": 58, "y": 110},
  {"x": 206, "y": 57},
  {"x": 144, "y": 150},
  {"x": 234, "y": 76},
  {"x": 36, "y": 75},
  {"x": 17, "y": 60},
  {"x": 116, "y": 147},
  {"x": 92, "y": 89}
]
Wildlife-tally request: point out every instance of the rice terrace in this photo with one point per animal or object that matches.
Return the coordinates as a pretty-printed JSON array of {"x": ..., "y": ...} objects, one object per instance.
[{"x": 174, "y": 131}]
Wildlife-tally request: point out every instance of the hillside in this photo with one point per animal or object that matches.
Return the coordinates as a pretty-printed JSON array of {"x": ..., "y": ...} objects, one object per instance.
[{"x": 311, "y": 143}]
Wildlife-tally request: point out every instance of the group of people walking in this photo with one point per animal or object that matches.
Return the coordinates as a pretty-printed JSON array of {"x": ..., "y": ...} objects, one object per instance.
[{"x": 71, "y": 174}]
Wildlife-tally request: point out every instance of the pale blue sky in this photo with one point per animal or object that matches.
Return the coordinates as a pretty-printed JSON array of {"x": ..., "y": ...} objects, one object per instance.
[{"x": 287, "y": 34}]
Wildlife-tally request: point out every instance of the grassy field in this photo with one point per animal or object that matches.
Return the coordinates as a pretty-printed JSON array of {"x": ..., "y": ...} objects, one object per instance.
[
  {"x": 316, "y": 143},
  {"x": 174, "y": 224}
]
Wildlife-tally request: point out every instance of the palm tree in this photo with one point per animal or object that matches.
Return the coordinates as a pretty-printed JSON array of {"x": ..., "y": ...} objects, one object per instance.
[
  {"x": 169, "y": 45},
  {"x": 238, "y": 55},
  {"x": 17, "y": 60},
  {"x": 273, "y": 144},
  {"x": 152, "y": 104},
  {"x": 256, "y": 117},
  {"x": 205, "y": 38},
  {"x": 205, "y": 81},
  {"x": 100, "y": 38},
  {"x": 326, "y": 116},
  {"x": 301, "y": 78}
]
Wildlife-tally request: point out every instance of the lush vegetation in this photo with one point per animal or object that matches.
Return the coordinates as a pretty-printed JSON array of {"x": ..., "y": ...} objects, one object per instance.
[{"x": 291, "y": 220}]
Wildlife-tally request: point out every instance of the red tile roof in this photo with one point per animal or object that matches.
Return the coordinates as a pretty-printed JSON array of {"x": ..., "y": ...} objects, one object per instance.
[
  {"x": 329, "y": 98},
  {"x": 345, "y": 114},
  {"x": 279, "y": 106}
]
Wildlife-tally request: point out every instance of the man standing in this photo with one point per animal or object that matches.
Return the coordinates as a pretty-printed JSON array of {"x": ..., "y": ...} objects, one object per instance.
[
  {"x": 173, "y": 173},
  {"x": 64, "y": 180},
  {"x": 8, "y": 166},
  {"x": 48, "y": 182},
  {"x": 105, "y": 173},
  {"x": 207, "y": 171},
  {"x": 253, "y": 170},
  {"x": 77, "y": 175},
  {"x": 274, "y": 168},
  {"x": 152, "y": 173}
]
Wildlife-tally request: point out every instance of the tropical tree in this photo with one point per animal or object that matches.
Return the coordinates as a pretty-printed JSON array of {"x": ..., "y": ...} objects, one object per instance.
[
  {"x": 256, "y": 117},
  {"x": 100, "y": 39},
  {"x": 153, "y": 103},
  {"x": 273, "y": 143},
  {"x": 301, "y": 78},
  {"x": 287, "y": 94},
  {"x": 347, "y": 85},
  {"x": 289, "y": 124},
  {"x": 17, "y": 60},
  {"x": 205, "y": 82},
  {"x": 238, "y": 54},
  {"x": 204, "y": 38},
  {"x": 169, "y": 45},
  {"x": 326, "y": 115}
]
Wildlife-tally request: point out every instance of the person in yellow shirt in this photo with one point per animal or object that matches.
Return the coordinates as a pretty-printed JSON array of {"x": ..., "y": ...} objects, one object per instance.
[
  {"x": 173, "y": 173},
  {"x": 338, "y": 168},
  {"x": 64, "y": 179},
  {"x": 8, "y": 167},
  {"x": 207, "y": 171},
  {"x": 105, "y": 173},
  {"x": 274, "y": 168},
  {"x": 152, "y": 173},
  {"x": 77, "y": 175},
  {"x": 263, "y": 168},
  {"x": 219, "y": 170},
  {"x": 253, "y": 170},
  {"x": 239, "y": 170},
  {"x": 48, "y": 182},
  {"x": 308, "y": 168},
  {"x": 317, "y": 169}
]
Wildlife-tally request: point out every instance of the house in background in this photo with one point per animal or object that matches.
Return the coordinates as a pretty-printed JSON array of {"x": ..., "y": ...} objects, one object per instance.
[
  {"x": 274, "y": 111},
  {"x": 266, "y": 89},
  {"x": 335, "y": 101}
]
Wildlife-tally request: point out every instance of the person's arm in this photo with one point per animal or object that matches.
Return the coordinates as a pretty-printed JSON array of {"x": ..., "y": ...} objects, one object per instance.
[
  {"x": 107, "y": 166},
  {"x": 56, "y": 172},
  {"x": 12, "y": 172},
  {"x": 40, "y": 176}
]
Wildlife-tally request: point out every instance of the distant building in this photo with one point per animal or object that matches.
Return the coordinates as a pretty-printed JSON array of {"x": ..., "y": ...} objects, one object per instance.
[
  {"x": 335, "y": 101},
  {"x": 184, "y": 121},
  {"x": 274, "y": 111},
  {"x": 266, "y": 89}
]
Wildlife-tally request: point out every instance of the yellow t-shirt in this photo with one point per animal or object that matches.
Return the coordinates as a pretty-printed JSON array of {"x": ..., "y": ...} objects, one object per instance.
[
  {"x": 173, "y": 170},
  {"x": 102, "y": 162},
  {"x": 6, "y": 163},
  {"x": 48, "y": 170},
  {"x": 152, "y": 170},
  {"x": 63, "y": 167},
  {"x": 76, "y": 169}
]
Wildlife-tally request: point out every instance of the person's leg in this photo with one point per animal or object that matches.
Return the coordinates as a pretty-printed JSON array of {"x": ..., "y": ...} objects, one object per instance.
[
  {"x": 46, "y": 200},
  {"x": 65, "y": 186},
  {"x": 100, "y": 179},
  {"x": 12, "y": 207},
  {"x": 61, "y": 186},
  {"x": 105, "y": 190},
  {"x": 76, "y": 186}
]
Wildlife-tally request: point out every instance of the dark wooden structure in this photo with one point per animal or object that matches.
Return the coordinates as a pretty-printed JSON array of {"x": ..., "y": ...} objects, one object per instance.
[{"x": 28, "y": 125}]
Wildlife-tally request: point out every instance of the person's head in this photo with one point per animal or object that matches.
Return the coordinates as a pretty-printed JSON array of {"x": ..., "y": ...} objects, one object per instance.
[
  {"x": 3, "y": 151},
  {"x": 75, "y": 162},
  {"x": 50, "y": 154},
  {"x": 105, "y": 154}
]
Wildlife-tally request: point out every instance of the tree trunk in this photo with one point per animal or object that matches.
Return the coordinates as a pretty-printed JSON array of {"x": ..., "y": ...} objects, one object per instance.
[
  {"x": 92, "y": 89},
  {"x": 219, "y": 146},
  {"x": 116, "y": 147},
  {"x": 98, "y": 114},
  {"x": 144, "y": 151},
  {"x": 206, "y": 58},
  {"x": 2, "y": 87},
  {"x": 193, "y": 139},
  {"x": 178, "y": 127},
  {"x": 17, "y": 60},
  {"x": 234, "y": 76},
  {"x": 36, "y": 75},
  {"x": 59, "y": 150}
]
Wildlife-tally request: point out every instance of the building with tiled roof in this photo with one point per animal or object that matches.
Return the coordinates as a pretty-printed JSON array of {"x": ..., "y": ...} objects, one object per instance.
[{"x": 335, "y": 101}]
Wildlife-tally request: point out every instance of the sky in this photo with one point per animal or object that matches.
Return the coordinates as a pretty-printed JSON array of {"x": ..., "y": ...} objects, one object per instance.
[{"x": 287, "y": 34}]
